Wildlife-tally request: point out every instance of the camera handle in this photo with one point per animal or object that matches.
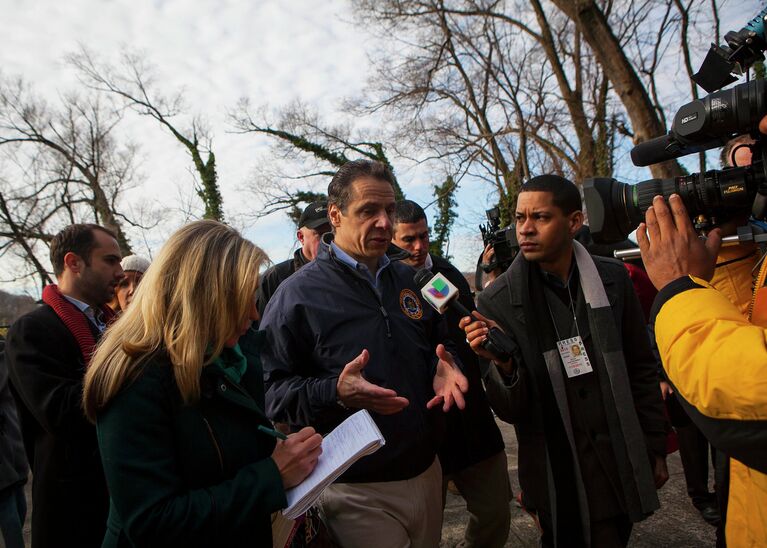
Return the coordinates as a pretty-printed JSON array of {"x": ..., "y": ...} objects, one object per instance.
[{"x": 746, "y": 234}]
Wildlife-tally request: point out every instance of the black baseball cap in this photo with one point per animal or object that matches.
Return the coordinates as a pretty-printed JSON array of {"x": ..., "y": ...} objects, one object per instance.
[{"x": 314, "y": 216}]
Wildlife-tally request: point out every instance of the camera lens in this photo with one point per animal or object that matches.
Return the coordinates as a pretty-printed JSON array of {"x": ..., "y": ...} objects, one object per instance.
[
  {"x": 615, "y": 209},
  {"x": 642, "y": 194}
]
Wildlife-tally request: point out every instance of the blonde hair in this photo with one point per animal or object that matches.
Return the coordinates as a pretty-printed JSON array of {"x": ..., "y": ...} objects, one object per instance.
[{"x": 197, "y": 293}]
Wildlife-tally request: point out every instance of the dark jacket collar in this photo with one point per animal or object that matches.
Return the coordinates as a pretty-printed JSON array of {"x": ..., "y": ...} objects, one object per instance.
[
  {"x": 508, "y": 288},
  {"x": 299, "y": 260},
  {"x": 249, "y": 394},
  {"x": 394, "y": 252}
]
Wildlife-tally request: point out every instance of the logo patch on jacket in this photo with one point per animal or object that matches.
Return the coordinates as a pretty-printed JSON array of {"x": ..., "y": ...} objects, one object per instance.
[{"x": 410, "y": 304}]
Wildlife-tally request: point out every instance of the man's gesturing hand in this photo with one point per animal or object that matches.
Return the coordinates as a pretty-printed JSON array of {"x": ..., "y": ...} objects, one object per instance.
[
  {"x": 354, "y": 391},
  {"x": 674, "y": 249},
  {"x": 449, "y": 383}
]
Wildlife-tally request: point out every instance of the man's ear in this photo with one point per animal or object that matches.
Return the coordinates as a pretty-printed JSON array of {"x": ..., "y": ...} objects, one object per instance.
[
  {"x": 300, "y": 235},
  {"x": 73, "y": 262},
  {"x": 576, "y": 222},
  {"x": 334, "y": 215}
]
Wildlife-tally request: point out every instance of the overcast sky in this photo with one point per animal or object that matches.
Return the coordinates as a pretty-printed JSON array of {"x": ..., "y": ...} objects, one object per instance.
[{"x": 219, "y": 51}]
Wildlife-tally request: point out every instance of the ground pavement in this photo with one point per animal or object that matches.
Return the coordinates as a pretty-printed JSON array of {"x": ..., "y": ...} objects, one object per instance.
[{"x": 676, "y": 524}]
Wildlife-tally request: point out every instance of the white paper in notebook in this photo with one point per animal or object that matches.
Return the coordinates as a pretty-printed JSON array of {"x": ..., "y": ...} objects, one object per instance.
[{"x": 351, "y": 440}]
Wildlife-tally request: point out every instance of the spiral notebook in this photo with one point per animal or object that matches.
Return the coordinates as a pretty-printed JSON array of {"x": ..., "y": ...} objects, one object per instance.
[{"x": 351, "y": 440}]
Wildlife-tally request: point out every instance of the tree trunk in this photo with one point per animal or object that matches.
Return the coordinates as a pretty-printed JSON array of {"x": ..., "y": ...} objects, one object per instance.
[
  {"x": 105, "y": 214},
  {"x": 573, "y": 98},
  {"x": 596, "y": 31},
  {"x": 18, "y": 235}
]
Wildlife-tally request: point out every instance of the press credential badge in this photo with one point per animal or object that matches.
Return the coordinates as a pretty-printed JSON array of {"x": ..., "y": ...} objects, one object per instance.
[{"x": 574, "y": 357}]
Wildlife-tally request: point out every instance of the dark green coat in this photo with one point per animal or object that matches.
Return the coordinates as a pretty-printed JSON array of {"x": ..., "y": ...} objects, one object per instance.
[{"x": 196, "y": 475}]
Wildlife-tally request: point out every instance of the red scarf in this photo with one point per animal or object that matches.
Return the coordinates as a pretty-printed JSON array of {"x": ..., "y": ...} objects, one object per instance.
[{"x": 75, "y": 320}]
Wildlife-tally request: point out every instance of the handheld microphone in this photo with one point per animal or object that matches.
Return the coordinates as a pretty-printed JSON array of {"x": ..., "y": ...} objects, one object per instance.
[
  {"x": 668, "y": 147},
  {"x": 656, "y": 150},
  {"x": 441, "y": 295}
]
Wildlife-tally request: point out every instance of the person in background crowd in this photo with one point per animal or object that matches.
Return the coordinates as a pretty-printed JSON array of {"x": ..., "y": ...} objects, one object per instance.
[
  {"x": 487, "y": 258},
  {"x": 582, "y": 387},
  {"x": 13, "y": 465},
  {"x": 737, "y": 152},
  {"x": 349, "y": 331},
  {"x": 643, "y": 287},
  {"x": 472, "y": 455},
  {"x": 312, "y": 224},
  {"x": 134, "y": 267},
  {"x": 48, "y": 351},
  {"x": 179, "y": 404}
]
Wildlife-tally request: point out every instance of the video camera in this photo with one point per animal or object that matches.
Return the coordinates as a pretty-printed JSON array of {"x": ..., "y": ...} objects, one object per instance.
[
  {"x": 615, "y": 209},
  {"x": 503, "y": 241}
]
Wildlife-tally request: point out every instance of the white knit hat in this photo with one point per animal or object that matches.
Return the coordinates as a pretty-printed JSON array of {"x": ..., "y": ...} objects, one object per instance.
[{"x": 135, "y": 263}]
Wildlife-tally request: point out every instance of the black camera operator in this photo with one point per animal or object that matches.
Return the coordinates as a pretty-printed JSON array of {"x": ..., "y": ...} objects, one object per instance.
[
  {"x": 733, "y": 277},
  {"x": 716, "y": 359},
  {"x": 713, "y": 348},
  {"x": 713, "y": 351}
]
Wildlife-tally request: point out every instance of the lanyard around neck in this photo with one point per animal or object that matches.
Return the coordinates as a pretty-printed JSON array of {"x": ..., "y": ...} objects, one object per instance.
[{"x": 572, "y": 309}]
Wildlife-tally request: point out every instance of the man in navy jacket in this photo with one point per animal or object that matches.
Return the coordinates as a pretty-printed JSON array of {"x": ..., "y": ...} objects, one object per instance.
[{"x": 350, "y": 331}]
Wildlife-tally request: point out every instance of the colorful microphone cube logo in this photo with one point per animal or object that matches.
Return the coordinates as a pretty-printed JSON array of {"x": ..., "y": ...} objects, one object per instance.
[
  {"x": 438, "y": 292},
  {"x": 438, "y": 289}
]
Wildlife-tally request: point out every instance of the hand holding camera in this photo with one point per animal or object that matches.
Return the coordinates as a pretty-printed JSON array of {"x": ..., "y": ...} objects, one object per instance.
[{"x": 674, "y": 249}]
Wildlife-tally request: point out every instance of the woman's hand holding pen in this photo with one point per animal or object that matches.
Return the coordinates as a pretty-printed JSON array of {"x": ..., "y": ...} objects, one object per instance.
[{"x": 297, "y": 456}]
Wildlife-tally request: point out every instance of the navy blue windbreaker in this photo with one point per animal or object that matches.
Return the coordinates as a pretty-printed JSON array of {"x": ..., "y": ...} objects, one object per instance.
[{"x": 320, "y": 319}]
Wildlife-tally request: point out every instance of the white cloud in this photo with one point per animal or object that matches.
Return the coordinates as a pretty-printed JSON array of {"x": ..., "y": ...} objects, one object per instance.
[{"x": 217, "y": 52}]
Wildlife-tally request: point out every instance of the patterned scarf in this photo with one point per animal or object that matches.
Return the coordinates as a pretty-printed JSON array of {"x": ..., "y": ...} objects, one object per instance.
[{"x": 75, "y": 320}]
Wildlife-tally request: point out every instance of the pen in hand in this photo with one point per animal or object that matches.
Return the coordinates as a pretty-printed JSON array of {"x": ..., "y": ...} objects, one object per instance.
[{"x": 272, "y": 432}]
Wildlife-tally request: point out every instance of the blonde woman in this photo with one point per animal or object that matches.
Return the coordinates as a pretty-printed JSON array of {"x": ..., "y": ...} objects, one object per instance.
[{"x": 178, "y": 403}]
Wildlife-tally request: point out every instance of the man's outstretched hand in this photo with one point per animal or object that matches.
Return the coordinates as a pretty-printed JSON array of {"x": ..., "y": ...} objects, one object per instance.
[
  {"x": 673, "y": 249},
  {"x": 449, "y": 383},
  {"x": 355, "y": 391}
]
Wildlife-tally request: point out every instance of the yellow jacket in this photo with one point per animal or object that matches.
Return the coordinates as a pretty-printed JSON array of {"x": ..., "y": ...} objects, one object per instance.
[
  {"x": 734, "y": 275},
  {"x": 717, "y": 361}
]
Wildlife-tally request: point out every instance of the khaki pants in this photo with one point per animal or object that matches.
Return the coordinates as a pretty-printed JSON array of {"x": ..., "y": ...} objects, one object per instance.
[
  {"x": 486, "y": 489},
  {"x": 387, "y": 514}
]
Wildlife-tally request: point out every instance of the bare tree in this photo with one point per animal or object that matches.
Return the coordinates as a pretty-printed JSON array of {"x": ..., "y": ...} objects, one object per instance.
[
  {"x": 493, "y": 90},
  {"x": 597, "y": 31},
  {"x": 309, "y": 152},
  {"x": 686, "y": 15},
  {"x": 58, "y": 165},
  {"x": 72, "y": 147},
  {"x": 133, "y": 83},
  {"x": 500, "y": 88}
]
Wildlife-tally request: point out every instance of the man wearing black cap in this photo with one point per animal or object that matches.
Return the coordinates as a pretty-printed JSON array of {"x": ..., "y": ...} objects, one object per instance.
[{"x": 311, "y": 226}]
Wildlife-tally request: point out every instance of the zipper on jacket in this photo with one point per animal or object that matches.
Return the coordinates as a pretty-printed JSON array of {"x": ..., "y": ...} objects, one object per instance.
[
  {"x": 367, "y": 283},
  {"x": 215, "y": 444},
  {"x": 386, "y": 319}
]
